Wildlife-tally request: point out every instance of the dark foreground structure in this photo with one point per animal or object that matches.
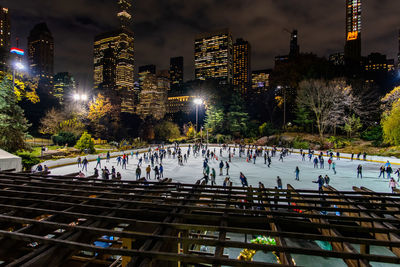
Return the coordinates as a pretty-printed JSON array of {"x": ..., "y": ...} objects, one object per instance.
[{"x": 67, "y": 221}]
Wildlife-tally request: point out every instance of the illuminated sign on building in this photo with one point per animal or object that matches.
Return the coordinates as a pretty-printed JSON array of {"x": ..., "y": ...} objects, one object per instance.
[
  {"x": 352, "y": 36},
  {"x": 17, "y": 51}
]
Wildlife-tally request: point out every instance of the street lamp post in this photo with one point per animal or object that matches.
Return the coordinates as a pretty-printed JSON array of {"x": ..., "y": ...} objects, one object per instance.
[
  {"x": 16, "y": 66},
  {"x": 198, "y": 102}
]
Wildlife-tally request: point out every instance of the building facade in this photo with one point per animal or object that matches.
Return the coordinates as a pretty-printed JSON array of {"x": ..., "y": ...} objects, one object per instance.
[
  {"x": 353, "y": 30},
  {"x": 260, "y": 81},
  {"x": 114, "y": 61},
  {"x": 41, "y": 56},
  {"x": 64, "y": 87},
  {"x": 143, "y": 71},
  {"x": 153, "y": 97},
  {"x": 176, "y": 72},
  {"x": 213, "y": 53},
  {"x": 242, "y": 66},
  {"x": 294, "y": 45},
  {"x": 5, "y": 37}
]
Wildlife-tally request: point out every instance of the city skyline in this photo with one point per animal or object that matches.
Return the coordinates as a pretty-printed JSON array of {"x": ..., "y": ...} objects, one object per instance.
[{"x": 321, "y": 29}]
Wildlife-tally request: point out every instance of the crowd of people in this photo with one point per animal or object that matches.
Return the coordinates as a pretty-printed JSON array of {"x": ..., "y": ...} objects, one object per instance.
[{"x": 221, "y": 157}]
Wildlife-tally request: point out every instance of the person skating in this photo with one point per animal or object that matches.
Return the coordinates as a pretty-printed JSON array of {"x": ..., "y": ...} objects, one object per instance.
[
  {"x": 327, "y": 180},
  {"x": 315, "y": 162},
  {"x": 85, "y": 163},
  {"x": 265, "y": 158},
  {"x": 124, "y": 163},
  {"x": 338, "y": 155},
  {"x": 398, "y": 174},
  {"x": 389, "y": 171},
  {"x": 297, "y": 172},
  {"x": 321, "y": 163},
  {"x": 382, "y": 172},
  {"x": 279, "y": 182},
  {"x": 156, "y": 173},
  {"x": 108, "y": 156},
  {"x": 213, "y": 177},
  {"x": 320, "y": 183},
  {"x": 334, "y": 167},
  {"x": 148, "y": 169},
  {"x": 79, "y": 161},
  {"x": 226, "y": 182},
  {"x": 359, "y": 171},
  {"x": 98, "y": 161},
  {"x": 138, "y": 172},
  {"x": 269, "y": 161},
  {"x": 330, "y": 163},
  {"x": 365, "y": 156},
  {"x": 161, "y": 169},
  {"x": 227, "y": 167},
  {"x": 392, "y": 184},
  {"x": 243, "y": 180},
  {"x": 221, "y": 166},
  {"x": 352, "y": 156}
]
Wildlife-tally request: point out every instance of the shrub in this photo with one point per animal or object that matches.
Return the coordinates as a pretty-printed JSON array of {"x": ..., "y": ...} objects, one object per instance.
[
  {"x": 300, "y": 144},
  {"x": 86, "y": 142},
  {"x": 28, "y": 160},
  {"x": 64, "y": 138},
  {"x": 374, "y": 134},
  {"x": 266, "y": 129}
]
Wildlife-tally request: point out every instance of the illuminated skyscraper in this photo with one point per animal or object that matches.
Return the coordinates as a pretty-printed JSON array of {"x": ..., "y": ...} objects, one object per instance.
[
  {"x": 242, "y": 65},
  {"x": 64, "y": 86},
  {"x": 144, "y": 71},
  {"x": 353, "y": 30},
  {"x": 41, "y": 55},
  {"x": 5, "y": 37},
  {"x": 176, "y": 72},
  {"x": 114, "y": 61},
  {"x": 260, "y": 80},
  {"x": 213, "y": 53}
]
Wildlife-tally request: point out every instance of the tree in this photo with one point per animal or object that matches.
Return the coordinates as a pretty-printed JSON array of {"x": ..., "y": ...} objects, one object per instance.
[
  {"x": 352, "y": 125},
  {"x": 50, "y": 123},
  {"x": 237, "y": 118},
  {"x": 215, "y": 119},
  {"x": 13, "y": 124},
  {"x": 390, "y": 98},
  {"x": 325, "y": 99},
  {"x": 102, "y": 117},
  {"x": 86, "y": 142},
  {"x": 166, "y": 130},
  {"x": 266, "y": 129},
  {"x": 303, "y": 118},
  {"x": 391, "y": 125},
  {"x": 24, "y": 87}
]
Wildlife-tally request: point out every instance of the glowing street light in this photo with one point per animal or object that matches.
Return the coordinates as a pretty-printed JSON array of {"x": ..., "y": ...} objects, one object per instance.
[
  {"x": 80, "y": 97},
  {"x": 198, "y": 102},
  {"x": 16, "y": 66}
]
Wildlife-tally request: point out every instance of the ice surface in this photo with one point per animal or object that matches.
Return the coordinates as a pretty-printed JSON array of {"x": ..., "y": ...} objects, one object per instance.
[{"x": 345, "y": 178}]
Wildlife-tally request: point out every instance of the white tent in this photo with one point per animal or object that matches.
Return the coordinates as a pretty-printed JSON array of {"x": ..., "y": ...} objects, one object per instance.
[{"x": 9, "y": 161}]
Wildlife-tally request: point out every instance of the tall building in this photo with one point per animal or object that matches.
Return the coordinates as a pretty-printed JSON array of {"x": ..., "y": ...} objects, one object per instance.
[
  {"x": 176, "y": 71},
  {"x": 153, "y": 97},
  {"x": 353, "y": 30},
  {"x": 242, "y": 66},
  {"x": 41, "y": 55},
  {"x": 5, "y": 37},
  {"x": 213, "y": 53},
  {"x": 260, "y": 80},
  {"x": 114, "y": 61},
  {"x": 294, "y": 46},
  {"x": 144, "y": 71},
  {"x": 64, "y": 86}
]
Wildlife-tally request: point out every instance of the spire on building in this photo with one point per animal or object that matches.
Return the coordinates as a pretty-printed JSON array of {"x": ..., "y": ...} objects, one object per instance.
[{"x": 124, "y": 13}]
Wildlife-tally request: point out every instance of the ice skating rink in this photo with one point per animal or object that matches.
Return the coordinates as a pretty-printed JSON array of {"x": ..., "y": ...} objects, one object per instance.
[{"x": 345, "y": 178}]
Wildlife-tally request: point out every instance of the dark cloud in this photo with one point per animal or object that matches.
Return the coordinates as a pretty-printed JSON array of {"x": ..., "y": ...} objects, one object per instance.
[{"x": 167, "y": 28}]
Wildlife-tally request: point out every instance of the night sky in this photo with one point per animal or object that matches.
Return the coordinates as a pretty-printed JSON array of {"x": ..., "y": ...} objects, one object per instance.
[{"x": 166, "y": 28}]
